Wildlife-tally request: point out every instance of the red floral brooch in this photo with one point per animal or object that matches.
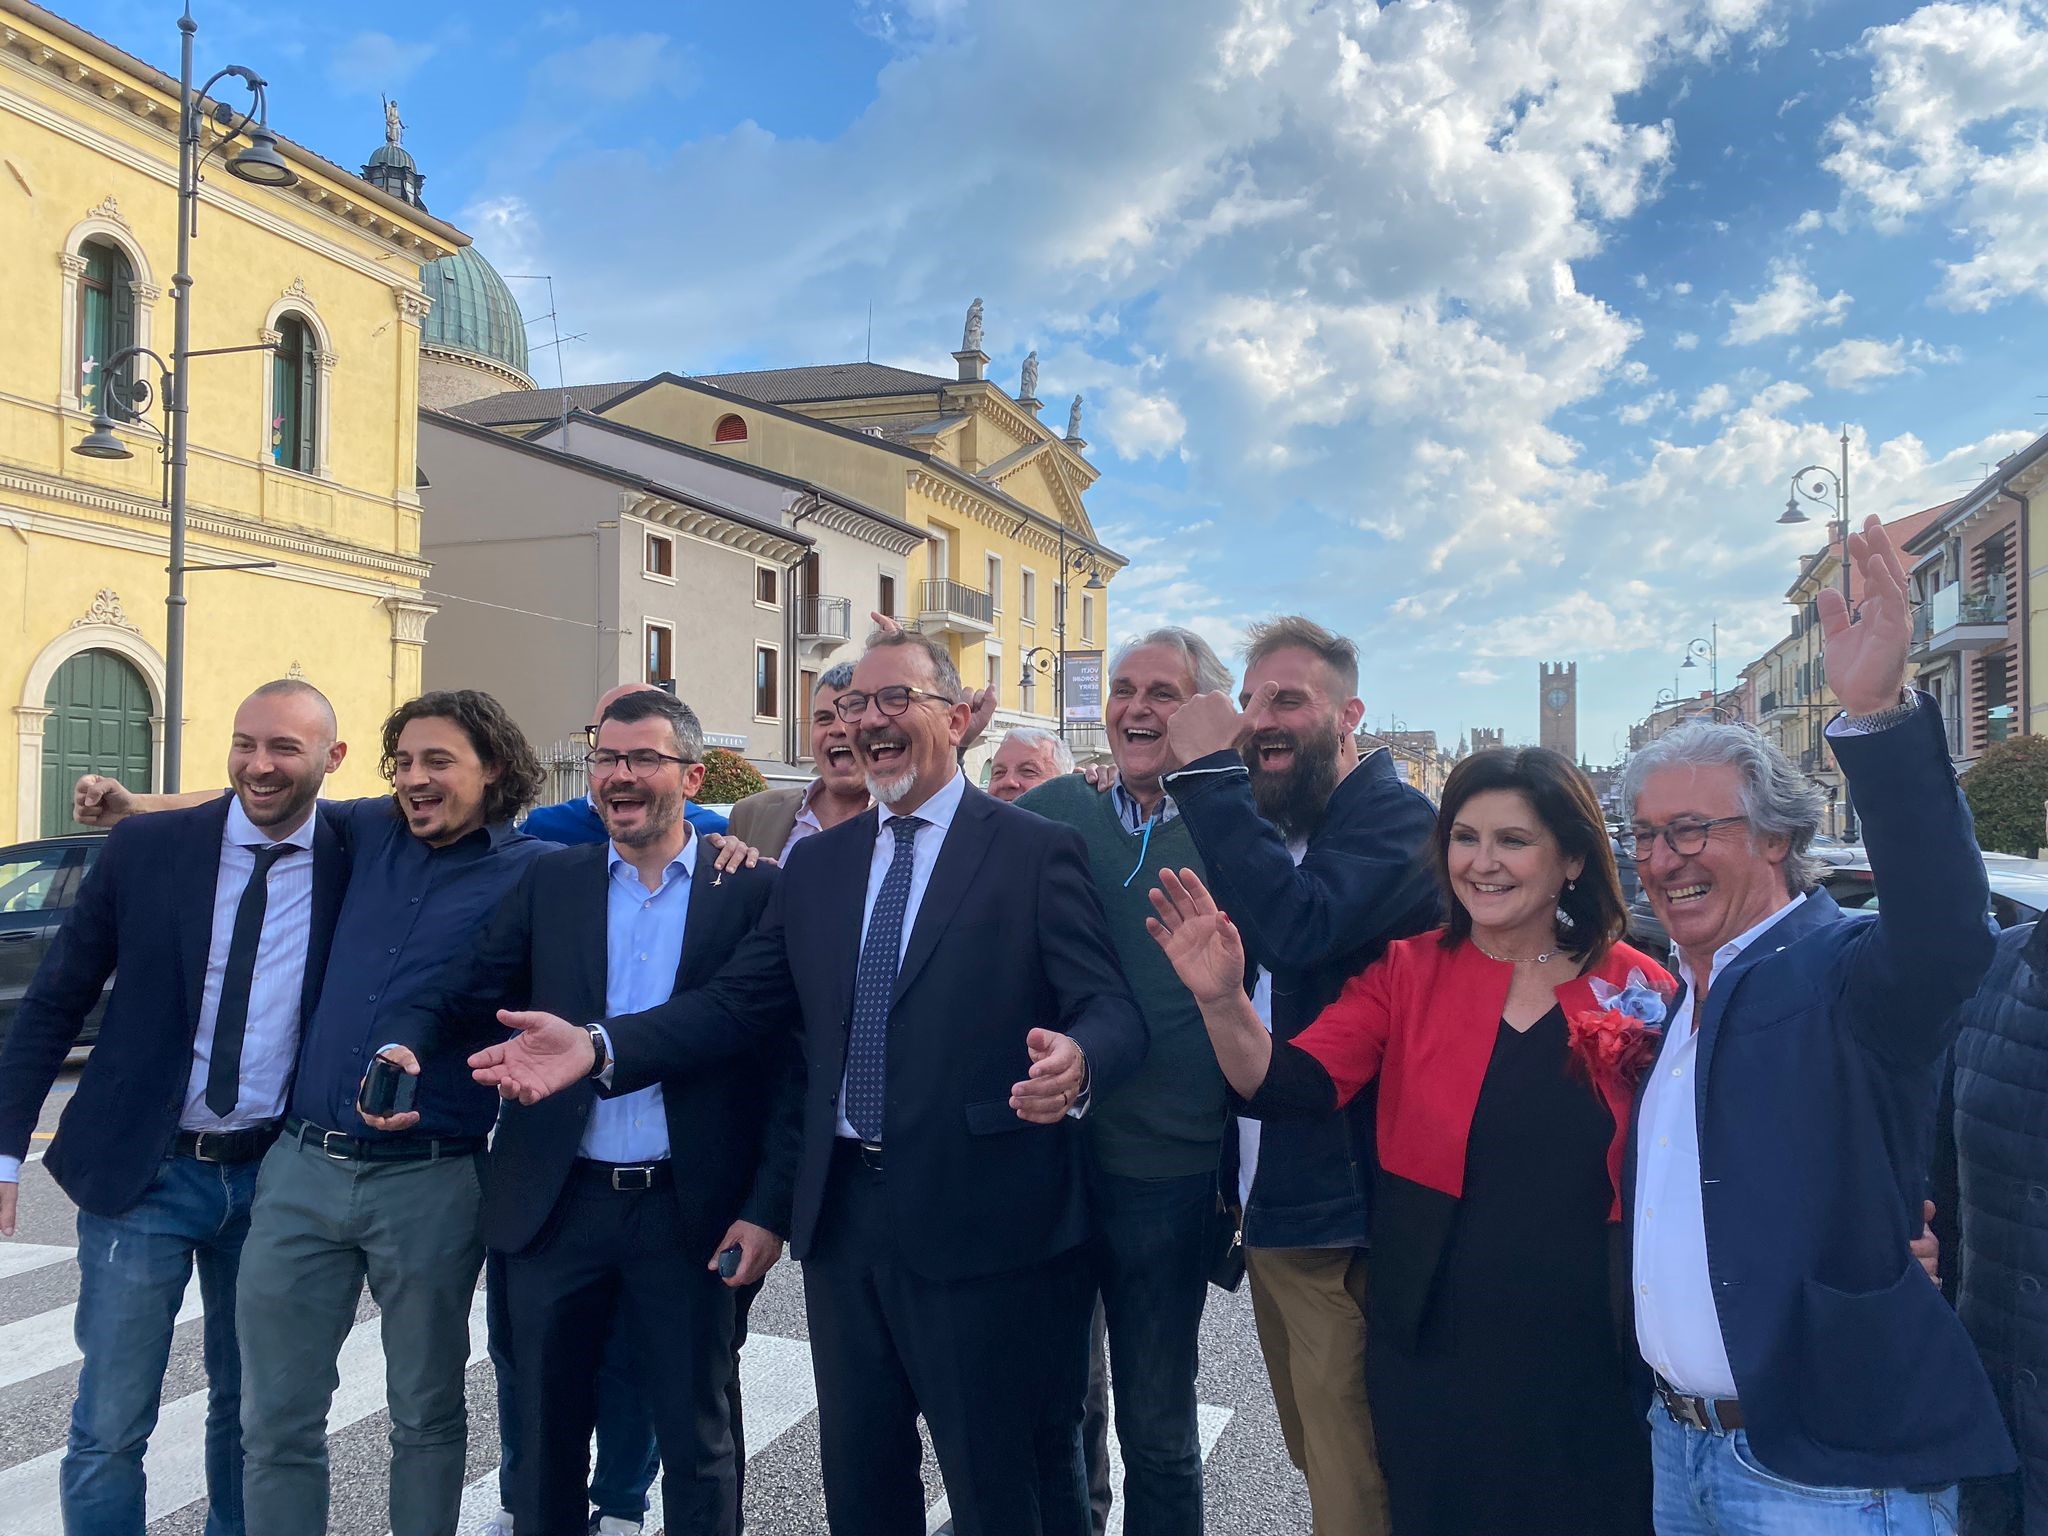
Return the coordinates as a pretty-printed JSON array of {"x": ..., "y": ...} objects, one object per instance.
[{"x": 1617, "y": 1042}]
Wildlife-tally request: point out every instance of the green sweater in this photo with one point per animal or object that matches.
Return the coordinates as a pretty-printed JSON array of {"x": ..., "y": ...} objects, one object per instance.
[{"x": 1166, "y": 1120}]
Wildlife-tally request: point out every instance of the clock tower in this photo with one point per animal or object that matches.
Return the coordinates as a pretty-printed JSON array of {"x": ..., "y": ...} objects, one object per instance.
[{"x": 1557, "y": 708}]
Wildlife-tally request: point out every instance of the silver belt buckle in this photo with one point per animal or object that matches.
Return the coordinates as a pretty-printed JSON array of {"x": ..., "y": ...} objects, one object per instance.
[
  {"x": 327, "y": 1149},
  {"x": 871, "y": 1155},
  {"x": 199, "y": 1151},
  {"x": 634, "y": 1179}
]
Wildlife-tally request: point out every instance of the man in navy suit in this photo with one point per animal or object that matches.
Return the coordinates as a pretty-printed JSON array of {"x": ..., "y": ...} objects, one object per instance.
[
  {"x": 1809, "y": 1375},
  {"x": 944, "y": 959},
  {"x": 215, "y": 923}
]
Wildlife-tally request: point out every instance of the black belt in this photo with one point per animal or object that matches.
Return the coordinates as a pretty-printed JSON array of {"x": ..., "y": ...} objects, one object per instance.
[
  {"x": 868, "y": 1153},
  {"x": 344, "y": 1148},
  {"x": 243, "y": 1146},
  {"x": 1714, "y": 1415},
  {"x": 627, "y": 1178}
]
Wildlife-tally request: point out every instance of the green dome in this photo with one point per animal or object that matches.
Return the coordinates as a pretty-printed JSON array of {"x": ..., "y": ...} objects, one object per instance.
[
  {"x": 473, "y": 311},
  {"x": 396, "y": 156}
]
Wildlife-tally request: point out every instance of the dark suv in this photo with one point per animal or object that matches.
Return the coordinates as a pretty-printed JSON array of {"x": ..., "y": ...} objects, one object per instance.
[{"x": 39, "y": 882}]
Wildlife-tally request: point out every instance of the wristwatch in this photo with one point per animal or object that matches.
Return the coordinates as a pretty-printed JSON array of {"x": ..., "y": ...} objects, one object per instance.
[
  {"x": 1884, "y": 719},
  {"x": 600, "y": 1057}
]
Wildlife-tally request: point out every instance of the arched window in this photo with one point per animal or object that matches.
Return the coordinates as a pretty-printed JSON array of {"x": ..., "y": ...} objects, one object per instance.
[
  {"x": 106, "y": 315},
  {"x": 730, "y": 429},
  {"x": 294, "y": 395}
]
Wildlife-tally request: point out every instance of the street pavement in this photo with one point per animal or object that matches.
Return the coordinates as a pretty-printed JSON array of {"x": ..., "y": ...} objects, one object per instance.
[{"x": 1248, "y": 1484}]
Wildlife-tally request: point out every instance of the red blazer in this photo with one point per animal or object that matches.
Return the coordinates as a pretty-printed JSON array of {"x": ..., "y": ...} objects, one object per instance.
[{"x": 1423, "y": 1020}]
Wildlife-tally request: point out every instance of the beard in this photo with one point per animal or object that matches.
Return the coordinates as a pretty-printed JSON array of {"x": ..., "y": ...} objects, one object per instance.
[
  {"x": 889, "y": 791},
  {"x": 1294, "y": 800},
  {"x": 661, "y": 815}
]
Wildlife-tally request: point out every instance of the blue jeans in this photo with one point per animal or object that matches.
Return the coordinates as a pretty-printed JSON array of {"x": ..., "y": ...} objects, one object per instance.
[
  {"x": 132, "y": 1272},
  {"x": 628, "y": 1460},
  {"x": 1713, "y": 1485},
  {"x": 1152, "y": 1273}
]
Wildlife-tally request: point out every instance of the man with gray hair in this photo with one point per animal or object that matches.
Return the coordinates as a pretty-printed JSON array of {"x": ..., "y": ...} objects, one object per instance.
[
  {"x": 776, "y": 820},
  {"x": 1808, "y": 1373},
  {"x": 1027, "y": 758},
  {"x": 1153, "y": 1144}
]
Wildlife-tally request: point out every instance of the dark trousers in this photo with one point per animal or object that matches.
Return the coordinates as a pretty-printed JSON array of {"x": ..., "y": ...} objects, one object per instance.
[
  {"x": 997, "y": 1365},
  {"x": 619, "y": 1258},
  {"x": 1152, "y": 1271}
]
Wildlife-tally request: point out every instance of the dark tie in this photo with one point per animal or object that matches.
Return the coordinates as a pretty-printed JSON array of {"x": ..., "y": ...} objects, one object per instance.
[
  {"x": 867, "y": 1047},
  {"x": 231, "y": 1020}
]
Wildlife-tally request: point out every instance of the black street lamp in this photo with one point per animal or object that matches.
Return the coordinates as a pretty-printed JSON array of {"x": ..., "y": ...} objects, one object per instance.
[
  {"x": 1043, "y": 661},
  {"x": 1828, "y": 489},
  {"x": 260, "y": 164},
  {"x": 1710, "y": 652}
]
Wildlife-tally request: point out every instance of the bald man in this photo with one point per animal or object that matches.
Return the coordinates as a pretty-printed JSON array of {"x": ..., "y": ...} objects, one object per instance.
[{"x": 576, "y": 820}]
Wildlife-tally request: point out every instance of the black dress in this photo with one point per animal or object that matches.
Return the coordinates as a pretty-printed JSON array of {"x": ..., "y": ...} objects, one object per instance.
[{"x": 1493, "y": 1363}]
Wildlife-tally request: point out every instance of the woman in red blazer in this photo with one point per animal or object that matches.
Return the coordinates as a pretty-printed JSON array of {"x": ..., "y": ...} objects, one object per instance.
[{"x": 1505, "y": 1048}]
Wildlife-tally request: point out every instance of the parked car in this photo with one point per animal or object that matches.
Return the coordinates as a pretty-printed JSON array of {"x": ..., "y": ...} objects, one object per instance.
[
  {"x": 39, "y": 881},
  {"x": 2019, "y": 894}
]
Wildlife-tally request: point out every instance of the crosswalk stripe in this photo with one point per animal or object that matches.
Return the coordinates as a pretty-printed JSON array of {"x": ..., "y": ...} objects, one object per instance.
[
  {"x": 30, "y": 1346},
  {"x": 776, "y": 1385},
  {"x": 176, "y": 1463},
  {"x": 20, "y": 1258}
]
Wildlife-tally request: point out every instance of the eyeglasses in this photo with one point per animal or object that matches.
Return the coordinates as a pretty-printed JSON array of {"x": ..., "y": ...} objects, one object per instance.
[
  {"x": 642, "y": 760},
  {"x": 891, "y": 701},
  {"x": 1684, "y": 838}
]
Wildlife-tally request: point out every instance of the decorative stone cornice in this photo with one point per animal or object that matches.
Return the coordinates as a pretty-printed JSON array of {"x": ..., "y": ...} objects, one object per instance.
[
  {"x": 414, "y": 307},
  {"x": 296, "y": 292},
  {"x": 145, "y": 293},
  {"x": 711, "y": 527},
  {"x": 838, "y": 519},
  {"x": 73, "y": 265},
  {"x": 105, "y": 609},
  {"x": 408, "y": 618},
  {"x": 110, "y": 210}
]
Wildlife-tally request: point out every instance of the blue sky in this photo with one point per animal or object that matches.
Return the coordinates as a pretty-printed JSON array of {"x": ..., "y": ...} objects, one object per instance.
[{"x": 1487, "y": 333}]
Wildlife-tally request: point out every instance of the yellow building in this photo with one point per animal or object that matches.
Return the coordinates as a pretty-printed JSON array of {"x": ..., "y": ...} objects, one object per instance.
[
  {"x": 1009, "y": 550},
  {"x": 302, "y": 458}
]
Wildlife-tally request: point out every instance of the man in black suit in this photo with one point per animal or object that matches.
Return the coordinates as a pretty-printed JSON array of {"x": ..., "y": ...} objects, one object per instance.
[
  {"x": 958, "y": 1002},
  {"x": 215, "y": 923},
  {"x": 608, "y": 1204}
]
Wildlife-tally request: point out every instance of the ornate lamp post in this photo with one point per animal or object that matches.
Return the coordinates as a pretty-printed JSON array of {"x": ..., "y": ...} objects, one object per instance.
[
  {"x": 1710, "y": 651},
  {"x": 260, "y": 164},
  {"x": 1829, "y": 489}
]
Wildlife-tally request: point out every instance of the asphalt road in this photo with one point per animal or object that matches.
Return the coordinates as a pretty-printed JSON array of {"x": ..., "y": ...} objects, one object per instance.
[{"x": 1249, "y": 1486}]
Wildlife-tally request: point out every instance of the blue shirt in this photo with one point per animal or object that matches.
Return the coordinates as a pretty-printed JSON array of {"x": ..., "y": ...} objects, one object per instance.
[
  {"x": 576, "y": 821},
  {"x": 408, "y": 910},
  {"x": 643, "y": 936}
]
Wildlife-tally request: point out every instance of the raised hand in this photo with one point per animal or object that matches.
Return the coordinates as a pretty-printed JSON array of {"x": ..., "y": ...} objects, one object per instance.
[
  {"x": 1207, "y": 723},
  {"x": 98, "y": 801},
  {"x": 1866, "y": 654},
  {"x": 1199, "y": 939},
  {"x": 546, "y": 1056},
  {"x": 981, "y": 708}
]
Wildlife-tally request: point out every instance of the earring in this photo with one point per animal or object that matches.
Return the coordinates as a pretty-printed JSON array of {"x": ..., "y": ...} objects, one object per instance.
[{"x": 1564, "y": 918}]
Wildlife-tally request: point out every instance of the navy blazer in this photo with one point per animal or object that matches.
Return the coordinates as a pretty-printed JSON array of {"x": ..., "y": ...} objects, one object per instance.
[
  {"x": 1010, "y": 937},
  {"x": 1820, "y": 1050},
  {"x": 144, "y": 916},
  {"x": 732, "y": 1128}
]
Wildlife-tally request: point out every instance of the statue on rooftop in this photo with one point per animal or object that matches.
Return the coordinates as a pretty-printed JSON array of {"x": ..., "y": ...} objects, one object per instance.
[
  {"x": 970, "y": 339},
  {"x": 1074, "y": 418},
  {"x": 393, "y": 128},
  {"x": 1029, "y": 389}
]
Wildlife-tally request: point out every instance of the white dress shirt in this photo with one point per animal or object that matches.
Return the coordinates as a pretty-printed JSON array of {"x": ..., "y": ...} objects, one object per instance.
[
  {"x": 1677, "y": 1328},
  {"x": 938, "y": 813},
  {"x": 643, "y": 938},
  {"x": 806, "y": 820},
  {"x": 270, "y": 1039},
  {"x": 1247, "y": 1127}
]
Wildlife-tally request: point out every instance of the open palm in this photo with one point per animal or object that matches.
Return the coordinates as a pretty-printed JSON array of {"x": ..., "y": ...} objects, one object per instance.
[
  {"x": 1866, "y": 653},
  {"x": 1200, "y": 941}
]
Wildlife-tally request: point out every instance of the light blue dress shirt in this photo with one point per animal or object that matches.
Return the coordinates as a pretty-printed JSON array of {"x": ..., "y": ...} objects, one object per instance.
[
  {"x": 270, "y": 1040},
  {"x": 643, "y": 936}
]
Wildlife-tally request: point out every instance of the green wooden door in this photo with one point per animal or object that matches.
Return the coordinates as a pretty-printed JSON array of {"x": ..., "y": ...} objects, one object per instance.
[{"x": 99, "y": 723}]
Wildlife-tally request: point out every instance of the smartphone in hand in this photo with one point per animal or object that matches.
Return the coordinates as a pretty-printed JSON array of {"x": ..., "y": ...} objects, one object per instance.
[{"x": 388, "y": 1089}]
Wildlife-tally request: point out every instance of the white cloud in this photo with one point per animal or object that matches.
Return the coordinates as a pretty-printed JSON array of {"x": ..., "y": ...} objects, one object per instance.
[
  {"x": 1142, "y": 426},
  {"x": 1858, "y": 362},
  {"x": 1685, "y": 341},
  {"x": 1637, "y": 412},
  {"x": 1954, "y": 129},
  {"x": 1714, "y": 400},
  {"x": 1788, "y": 304},
  {"x": 1479, "y": 677},
  {"x": 1681, "y": 289}
]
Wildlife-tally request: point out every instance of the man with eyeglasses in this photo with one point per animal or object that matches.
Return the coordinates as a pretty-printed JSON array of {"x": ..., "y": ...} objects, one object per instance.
[
  {"x": 958, "y": 1001},
  {"x": 578, "y": 820},
  {"x": 612, "y": 1210},
  {"x": 1809, "y": 1374}
]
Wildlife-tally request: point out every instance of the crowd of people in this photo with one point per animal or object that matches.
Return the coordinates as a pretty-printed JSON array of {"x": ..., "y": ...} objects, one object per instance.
[{"x": 1543, "y": 1234}]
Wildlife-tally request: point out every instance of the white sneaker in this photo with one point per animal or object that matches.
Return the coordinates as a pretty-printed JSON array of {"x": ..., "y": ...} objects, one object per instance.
[
  {"x": 499, "y": 1524},
  {"x": 612, "y": 1525}
]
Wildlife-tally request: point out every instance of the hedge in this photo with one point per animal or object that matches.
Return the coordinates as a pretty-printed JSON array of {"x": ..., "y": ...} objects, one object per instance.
[{"x": 2007, "y": 789}]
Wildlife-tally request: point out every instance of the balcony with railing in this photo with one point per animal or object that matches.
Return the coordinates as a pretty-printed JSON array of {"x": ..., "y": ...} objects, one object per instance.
[
  {"x": 823, "y": 623},
  {"x": 947, "y": 606},
  {"x": 1775, "y": 706},
  {"x": 1953, "y": 622}
]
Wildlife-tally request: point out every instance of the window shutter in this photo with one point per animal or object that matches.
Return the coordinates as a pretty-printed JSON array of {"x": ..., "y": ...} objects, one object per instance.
[
  {"x": 121, "y": 328},
  {"x": 309, "y": 388}
]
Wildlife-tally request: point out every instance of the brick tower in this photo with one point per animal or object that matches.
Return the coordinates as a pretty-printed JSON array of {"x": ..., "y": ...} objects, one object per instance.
[{"x": 1557, "y": 708}]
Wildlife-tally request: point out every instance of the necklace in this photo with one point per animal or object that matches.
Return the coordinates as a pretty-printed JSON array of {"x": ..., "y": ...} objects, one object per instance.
[{"x": 1545, "y": 958}]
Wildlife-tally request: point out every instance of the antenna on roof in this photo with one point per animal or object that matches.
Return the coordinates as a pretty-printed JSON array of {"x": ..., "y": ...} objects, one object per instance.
[{"x": 552, "y": 316}]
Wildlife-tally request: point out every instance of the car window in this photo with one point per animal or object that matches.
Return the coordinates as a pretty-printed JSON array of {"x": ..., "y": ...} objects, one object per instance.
[
  {"x": 40, "y": 879},
  {"x": 2008, "y": 913},
  {"x": 1853, "y": 895}
]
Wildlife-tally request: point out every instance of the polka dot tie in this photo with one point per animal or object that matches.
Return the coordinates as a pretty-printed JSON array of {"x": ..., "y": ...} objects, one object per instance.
[{"x": 867, "y": 1046}]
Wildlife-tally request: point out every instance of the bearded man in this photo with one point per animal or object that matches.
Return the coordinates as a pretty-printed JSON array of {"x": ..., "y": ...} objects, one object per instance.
[{"x": 1317, "y": 855}]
